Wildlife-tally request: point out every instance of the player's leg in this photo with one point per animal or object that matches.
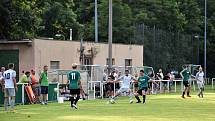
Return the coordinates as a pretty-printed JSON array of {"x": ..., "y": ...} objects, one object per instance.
[
  {"x": 72, "y": 98},
  {"x": 46, "y": 95},
  {"x": 119, "y": 92},
  {"x": 12, "y": 94},
  {"x": 130, "y": 95},
  {"x": 188, "y": 90},
  {"x": 144, "y": 95},
  {"x": 185, "y": 89},
  {"x": 6, "y": 99},
  {"x": 139, "y": 92},
  {"x": 77, "y": 97}
]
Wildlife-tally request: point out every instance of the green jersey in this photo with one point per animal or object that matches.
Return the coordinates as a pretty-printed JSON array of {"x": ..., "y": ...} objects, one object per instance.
[
  {"x": 186, "y": 75},
  {"x": 143, "y": 82},
  {"x": 74, "y": 78},
  {"x": 44, "y": 79},
  {"x": 24, "y": 79}
]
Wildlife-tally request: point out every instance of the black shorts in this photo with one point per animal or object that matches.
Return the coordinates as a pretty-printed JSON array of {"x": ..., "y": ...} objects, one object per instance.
[
  {"x": 135, "y": 85},
  {"x": 140, "y": 90},
  {"x": 75, "y": 91},
  {"x": 117, "y": 86},
  {"x": 110, "y": 87},
  {"x": 186, "y": 83},
  {"x": 44, "y": 89}
]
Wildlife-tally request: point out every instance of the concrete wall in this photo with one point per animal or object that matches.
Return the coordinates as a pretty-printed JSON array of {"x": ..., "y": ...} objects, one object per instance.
[{"x": 67, "y": 52}]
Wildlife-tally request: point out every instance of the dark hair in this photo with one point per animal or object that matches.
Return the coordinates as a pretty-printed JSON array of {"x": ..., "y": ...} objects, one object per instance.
[
  {"x": 74, "y": 67},
  {"x": 142, "y": 71},
  {"x": 27, "y": 72},
  {"x": 10, "y": 65}
]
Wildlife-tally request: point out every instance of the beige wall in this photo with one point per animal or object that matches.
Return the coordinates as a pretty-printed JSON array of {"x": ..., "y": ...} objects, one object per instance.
[
  {"x": 67, "y": 52},
  {"x": 120, "y": 53}
]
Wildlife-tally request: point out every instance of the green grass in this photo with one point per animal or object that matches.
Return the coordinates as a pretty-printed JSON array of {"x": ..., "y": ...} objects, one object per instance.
[{"x": 165, "y": 107}]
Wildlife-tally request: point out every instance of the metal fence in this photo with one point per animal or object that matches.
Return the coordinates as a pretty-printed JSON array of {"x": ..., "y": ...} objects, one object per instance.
[{"x": 166, "y": 49}]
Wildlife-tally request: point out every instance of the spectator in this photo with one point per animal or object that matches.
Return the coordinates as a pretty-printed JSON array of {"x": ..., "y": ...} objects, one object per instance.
[
  {"x": 44, "y": 83},
  {"x": 35, "y": 86},
  {"x": 166, "y": 78},
  {"x": 172, "y": 78},
  {"x": 25, "y": 78},
  {"x": 1, "y": 78}
]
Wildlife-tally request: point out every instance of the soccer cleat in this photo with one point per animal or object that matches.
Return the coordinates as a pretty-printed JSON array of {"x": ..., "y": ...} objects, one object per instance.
[
  {"x": 183, "y": 97},
  {"x": 188, "y": 96},
  {"x": 198, "y": 95},
  {"x": 42, "y": 103},
  {"x": 131, "y": 101},
  {"x": 138, "y": 102},
  {"x": 84, "y": 98},
  {"x": 75, "y": 106}
]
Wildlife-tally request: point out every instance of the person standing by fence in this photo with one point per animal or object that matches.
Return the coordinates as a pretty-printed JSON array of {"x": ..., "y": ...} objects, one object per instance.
[{"x": 44, "y": 85}]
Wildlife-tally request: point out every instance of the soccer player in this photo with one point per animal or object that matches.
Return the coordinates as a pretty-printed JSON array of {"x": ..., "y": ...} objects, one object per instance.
[
  {"x": 200, "y": 82},
  {"x": 44, "y": 83},
  {"x": 74, "y": 81},
  {"x": 142, "y": 86},
  {"x": 125, "y": 86},
  {"x": 110, "y": 85},
  {"x": 185, "y": 74},
  {"x": 9, "y": 80}
]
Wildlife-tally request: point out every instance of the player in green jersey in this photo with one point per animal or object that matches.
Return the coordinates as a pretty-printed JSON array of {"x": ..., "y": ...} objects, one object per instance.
[
  {"x": 185, "y": 74},
  {"x": 142, "y": 86},
  {"x": 74, "y": 81},
  {"x": 44, "y": 83}
]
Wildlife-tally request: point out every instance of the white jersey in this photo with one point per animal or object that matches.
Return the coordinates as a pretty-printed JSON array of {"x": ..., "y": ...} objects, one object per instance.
[
  {"x": 200, "y": 77},
  {"x": 8, "y": 78},
  {"x": 126, "y": 81}
]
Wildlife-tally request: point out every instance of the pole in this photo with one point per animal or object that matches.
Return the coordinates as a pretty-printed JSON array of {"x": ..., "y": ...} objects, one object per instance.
[
  {"x": 110, "y": 37},
  {"x": 70, "y": 37},
  {"x": 198, "y": 50},
  {"x": 96, "y": 21},
  {"x": 205, "y": 40}
]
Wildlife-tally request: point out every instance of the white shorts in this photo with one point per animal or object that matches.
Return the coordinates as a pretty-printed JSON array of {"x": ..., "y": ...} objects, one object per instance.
[
  {"x": 200, "y": 85},
  {"x": 122, "y": 90},
  {"x": 9, "y": 92}
]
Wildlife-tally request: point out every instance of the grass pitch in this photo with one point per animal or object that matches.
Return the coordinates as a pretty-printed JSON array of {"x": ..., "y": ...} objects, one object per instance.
[{"x": 163, "y": 107}]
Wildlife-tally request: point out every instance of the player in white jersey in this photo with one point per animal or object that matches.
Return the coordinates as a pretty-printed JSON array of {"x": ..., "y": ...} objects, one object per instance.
[
  {"x": 10, "y": 87},
  {"x": 200, "y": 81},
  {"x": 125, "y": 85}
]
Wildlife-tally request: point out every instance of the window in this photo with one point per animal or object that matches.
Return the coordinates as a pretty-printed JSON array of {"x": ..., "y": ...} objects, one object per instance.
[
  {"x": 128, "y": 62},
  {"x": 55, "y": 64},
  {"x": 107, "y": 61}
]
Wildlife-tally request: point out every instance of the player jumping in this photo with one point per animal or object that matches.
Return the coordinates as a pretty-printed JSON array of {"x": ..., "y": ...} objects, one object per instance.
[
  {"x": 142, "y": 86},
  {"x": 125, "y": 87},
  {"x": 74, "y": 80}
]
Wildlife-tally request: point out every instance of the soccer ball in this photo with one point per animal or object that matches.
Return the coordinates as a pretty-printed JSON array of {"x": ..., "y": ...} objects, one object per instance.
[{"x": 112, "y": 101}]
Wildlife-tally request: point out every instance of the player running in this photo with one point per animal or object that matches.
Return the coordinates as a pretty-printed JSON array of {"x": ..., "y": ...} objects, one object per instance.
[
  {"x": 74, "y": 81},
  {"x": 200, "y": 82},
  {"x": 185, "y": 74},
  {"x": 126, "y": 85},
  {"x": 142, "y": 86},
  {"x": 9, "y": 80}
]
